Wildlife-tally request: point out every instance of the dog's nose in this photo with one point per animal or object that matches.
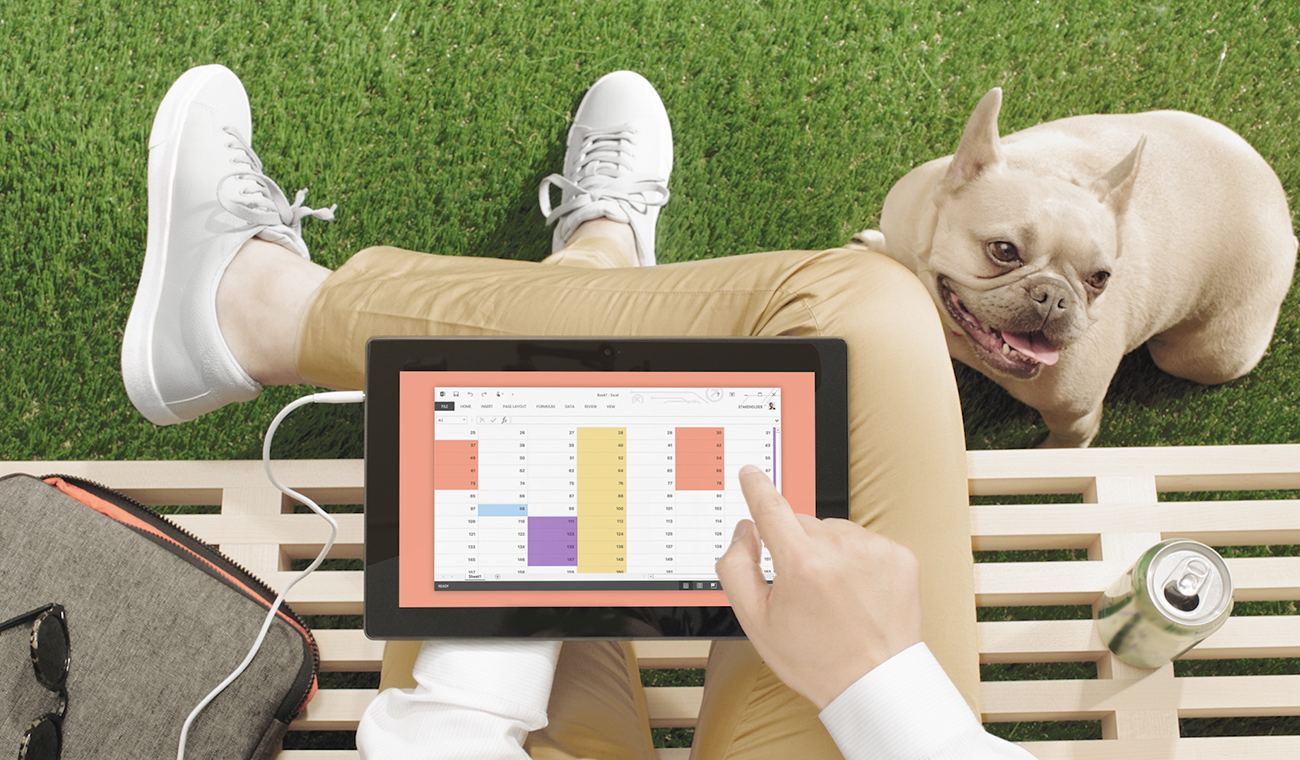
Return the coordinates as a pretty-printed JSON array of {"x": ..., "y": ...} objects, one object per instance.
[{"x": 1050, "y": 297}]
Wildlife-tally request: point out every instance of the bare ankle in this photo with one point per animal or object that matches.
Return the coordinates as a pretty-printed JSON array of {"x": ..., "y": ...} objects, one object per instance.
[
  {"x": 260, "y": 302},
  {"x": 619, "y": 232}
]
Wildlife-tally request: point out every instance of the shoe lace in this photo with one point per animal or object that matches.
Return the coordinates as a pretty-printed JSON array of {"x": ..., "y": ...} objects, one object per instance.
[
  {"x": 603, "y": 173},
  {"x": 261, "y": 201}
]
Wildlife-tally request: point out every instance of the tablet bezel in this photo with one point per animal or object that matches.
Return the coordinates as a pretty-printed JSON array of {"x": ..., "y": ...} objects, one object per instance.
[{"x": 387, "y": 358}]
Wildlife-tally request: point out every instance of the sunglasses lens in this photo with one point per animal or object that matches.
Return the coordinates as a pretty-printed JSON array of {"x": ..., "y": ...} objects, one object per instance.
[
  {"x": 50, "y": 645},
  {"x": 43, "y": 741}
]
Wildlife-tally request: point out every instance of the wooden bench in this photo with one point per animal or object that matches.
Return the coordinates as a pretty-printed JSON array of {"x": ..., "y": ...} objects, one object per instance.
[{"x": 1118, "y": 512}]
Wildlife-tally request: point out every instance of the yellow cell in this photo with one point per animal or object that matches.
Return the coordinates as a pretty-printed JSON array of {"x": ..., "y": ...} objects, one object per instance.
[
  {"x": 593, "y": 483},
  {"x": 601, "y": 434},
  {"x": 612, "y": 495},
  {"x": 603, "y": 471},
  {"x": 602, "y": 542},
  {"x": 597, "y": 539},
  {"x": 596, "y": 456},
  {"x": 601, "y": 559},
  {"x": 604, "y": 518}
]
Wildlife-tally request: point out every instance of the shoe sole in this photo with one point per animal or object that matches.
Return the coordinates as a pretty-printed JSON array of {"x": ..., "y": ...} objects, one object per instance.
[{"x": 138, "y": 341}]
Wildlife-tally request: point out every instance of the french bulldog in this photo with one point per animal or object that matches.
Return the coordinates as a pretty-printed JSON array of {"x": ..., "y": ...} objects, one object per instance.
[{"x": 1053, "y": 252}]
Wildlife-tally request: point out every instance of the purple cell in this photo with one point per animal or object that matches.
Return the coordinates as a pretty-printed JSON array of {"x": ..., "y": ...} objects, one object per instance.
[{"x": 551, "y": 541}]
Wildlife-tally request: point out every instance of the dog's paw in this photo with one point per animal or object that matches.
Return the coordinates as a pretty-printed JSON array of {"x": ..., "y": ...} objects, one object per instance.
[{"x": 868, "y": 240}]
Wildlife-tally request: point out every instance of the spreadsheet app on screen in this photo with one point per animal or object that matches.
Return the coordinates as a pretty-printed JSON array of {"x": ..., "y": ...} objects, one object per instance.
[
  {"x": 587, "y": 488},
  {"x": 593, "y": 488}
]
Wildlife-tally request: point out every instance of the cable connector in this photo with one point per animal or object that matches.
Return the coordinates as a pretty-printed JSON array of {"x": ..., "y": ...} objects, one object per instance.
[{"x": 336, "y": 397}]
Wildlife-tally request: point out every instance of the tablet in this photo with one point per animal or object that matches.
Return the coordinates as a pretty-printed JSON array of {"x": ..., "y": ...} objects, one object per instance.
[{"x": 583, "y": 488}]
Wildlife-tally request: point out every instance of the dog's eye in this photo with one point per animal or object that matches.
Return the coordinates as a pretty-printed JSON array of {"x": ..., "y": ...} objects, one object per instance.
[
  {"x": 1003, "y": 251},
  {"x": 1098, "y": 280}
]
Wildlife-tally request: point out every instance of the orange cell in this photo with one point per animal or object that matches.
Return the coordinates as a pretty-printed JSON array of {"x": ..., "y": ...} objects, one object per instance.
[
  {"x": 700, "y": 483},
  {"x": 455, "y": 451},
  {"x": 687, "y": 433},
  {"x": 455, "y": 481}
]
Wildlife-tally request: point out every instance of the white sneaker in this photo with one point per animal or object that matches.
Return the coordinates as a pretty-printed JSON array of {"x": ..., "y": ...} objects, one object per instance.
[
  {"x": 617, "y": 165},
  {"x": 207, "y": 197}
]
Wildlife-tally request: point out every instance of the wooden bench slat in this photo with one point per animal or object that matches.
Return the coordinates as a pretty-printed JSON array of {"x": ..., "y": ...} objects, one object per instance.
[
  {"x": 334, "y": 710},
  {"x": 1176, "y": 468},
  {"x": 1057, "y": 526},
  {"x": 1078, "y": 640},
  {"x": 325, "y": 592},
  {"x": 341, "y": 709},
  {"x": 348, "y": 651},
  {"x": 1042, "y": 583},
  {"x": 1219, "y": 696},
  {"x": 673, "y": 706},
  {"x": 1082, "y": 582},
  {"x": 1204, "y": 748},
  {"x": 302, "y": 532},
  {"x": 337, "y": 481},
  {"x": 669, "y": 655}
]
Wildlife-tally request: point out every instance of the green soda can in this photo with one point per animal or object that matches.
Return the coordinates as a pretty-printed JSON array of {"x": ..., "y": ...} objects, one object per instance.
[{"x": 1176, "y": 595}]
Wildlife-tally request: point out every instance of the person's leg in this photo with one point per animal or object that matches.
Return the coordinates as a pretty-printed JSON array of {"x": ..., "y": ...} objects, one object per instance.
[
  {"x": 907, "y": 456},
  {"x": 597, "y": 707},
  {"x": 264, "y": 278},
  {"x": 266, "y": 289},
  {"x": 598, "y": 244},
  {"x": 208, "y": 197},
  {"x": 907, "y": 481}
]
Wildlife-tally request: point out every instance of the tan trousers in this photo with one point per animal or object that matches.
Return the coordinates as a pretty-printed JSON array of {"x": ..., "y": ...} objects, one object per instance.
[{"x": 907, "y": 451}]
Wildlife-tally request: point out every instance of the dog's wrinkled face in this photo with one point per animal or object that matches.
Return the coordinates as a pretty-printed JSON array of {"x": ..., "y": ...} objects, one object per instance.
[
  {"x": 1018, "y": 259},
  {"x": 1016, "y": 263}
]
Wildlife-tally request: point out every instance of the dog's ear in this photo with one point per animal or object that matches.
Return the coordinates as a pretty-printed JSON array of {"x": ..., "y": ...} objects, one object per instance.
[
  {"x": 980, "y": 149},
  {"x": 1115, "y": 186}
]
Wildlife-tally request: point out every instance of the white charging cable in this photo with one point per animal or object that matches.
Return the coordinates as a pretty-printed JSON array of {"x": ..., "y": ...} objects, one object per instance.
[{"x": 332, "y": 397}]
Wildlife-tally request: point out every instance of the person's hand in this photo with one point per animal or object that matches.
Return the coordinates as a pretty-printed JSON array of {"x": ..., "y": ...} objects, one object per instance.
[{"x": 844, "y": 599}]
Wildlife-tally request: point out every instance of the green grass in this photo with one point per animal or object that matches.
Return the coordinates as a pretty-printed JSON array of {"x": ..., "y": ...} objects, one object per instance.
[{"x": 432, "y": 124}]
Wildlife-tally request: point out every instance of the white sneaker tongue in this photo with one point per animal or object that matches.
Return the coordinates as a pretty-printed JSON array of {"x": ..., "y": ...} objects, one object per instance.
[{"x": 1033, "y": 345}]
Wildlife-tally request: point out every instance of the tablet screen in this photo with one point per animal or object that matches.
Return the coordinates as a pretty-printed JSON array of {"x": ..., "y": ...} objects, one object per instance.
[
  {"x": 576, "y": 488},
  {"x": 589, "y": 489}
]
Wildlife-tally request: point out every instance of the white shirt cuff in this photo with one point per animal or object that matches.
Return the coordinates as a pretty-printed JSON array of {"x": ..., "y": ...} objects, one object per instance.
[{"x": 905, "y": 708}]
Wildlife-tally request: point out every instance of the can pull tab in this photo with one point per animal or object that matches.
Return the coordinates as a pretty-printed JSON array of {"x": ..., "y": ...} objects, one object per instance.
[{"x": 1183, "y": 590}]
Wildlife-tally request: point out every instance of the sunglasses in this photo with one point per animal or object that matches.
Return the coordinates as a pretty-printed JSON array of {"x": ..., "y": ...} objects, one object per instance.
[{"x": 51, "y": 658}]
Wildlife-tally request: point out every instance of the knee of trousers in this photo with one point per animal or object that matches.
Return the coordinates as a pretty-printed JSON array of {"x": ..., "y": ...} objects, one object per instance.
[{"x": 861, "y": 295}]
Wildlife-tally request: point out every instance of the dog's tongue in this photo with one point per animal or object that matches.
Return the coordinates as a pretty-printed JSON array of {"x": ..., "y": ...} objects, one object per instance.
[{"x": 1034, "y": 345}]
